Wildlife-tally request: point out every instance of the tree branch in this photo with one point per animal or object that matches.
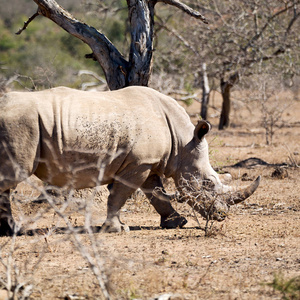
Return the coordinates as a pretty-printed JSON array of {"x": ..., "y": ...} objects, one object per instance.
[
  {"x": 270, "y": 19},
  {"x": 27, "y": 23},
  {"x": 193, "y": 13},
  {"x": 291, "y": 23},
  {"x": 110, "y": 59},
  {"x": 179, "y": 37}
]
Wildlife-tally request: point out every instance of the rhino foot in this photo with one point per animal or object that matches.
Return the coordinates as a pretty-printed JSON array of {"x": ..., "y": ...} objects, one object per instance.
[
  {"x": 173, "y": 221},
  {"x": 113, "y": 225}
]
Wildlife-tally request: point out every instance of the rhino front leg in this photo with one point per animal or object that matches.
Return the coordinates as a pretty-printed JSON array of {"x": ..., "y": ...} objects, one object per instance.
[
  {"x": 7, "y": 223},
  {"x": 170, "y": 218}
]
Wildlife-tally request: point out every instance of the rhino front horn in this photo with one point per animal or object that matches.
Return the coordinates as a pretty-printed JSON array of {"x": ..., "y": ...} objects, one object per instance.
[{"x": 241, "y": 195}]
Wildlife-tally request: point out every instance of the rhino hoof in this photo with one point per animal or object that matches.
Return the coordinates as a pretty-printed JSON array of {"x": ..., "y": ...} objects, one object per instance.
[
  {"x": 110, "y": 227},
  {"x": 173, "y": 221}
]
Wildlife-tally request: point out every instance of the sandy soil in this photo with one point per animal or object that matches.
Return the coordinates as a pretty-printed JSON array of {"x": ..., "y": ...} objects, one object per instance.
[{"x": 259, "y": 240}]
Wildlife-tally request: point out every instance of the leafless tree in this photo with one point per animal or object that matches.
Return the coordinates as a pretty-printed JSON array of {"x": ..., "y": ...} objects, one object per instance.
[
  {"x": 272, "y": 105},
  {"x": 243, "y": 38},
  {"x": 118, "y": 71}
]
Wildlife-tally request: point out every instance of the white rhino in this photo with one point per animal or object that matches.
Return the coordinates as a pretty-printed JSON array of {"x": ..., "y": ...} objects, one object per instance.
[{"x": 128, "y": 139}]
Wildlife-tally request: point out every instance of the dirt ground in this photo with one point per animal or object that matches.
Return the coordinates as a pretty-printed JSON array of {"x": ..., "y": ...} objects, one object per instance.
[{"x": 258, "y": 242}]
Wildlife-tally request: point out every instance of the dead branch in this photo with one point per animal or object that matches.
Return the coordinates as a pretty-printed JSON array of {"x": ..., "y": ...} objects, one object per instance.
[
  {"x": 110, "y": 59},
  {"x": 185, "y": 8},
  {"x": 118, "y": 71},
  {"x": 26, "y": 23},
  {"x": 179, "y": 37},
  {"x": 267, "y": 23},
  {"x": 93, "y": 74}
]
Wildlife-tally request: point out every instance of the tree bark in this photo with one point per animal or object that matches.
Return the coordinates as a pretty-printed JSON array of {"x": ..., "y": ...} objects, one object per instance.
[
  {"x": 226, "y": 105},
  {"x": 141, "y": 18},
  {"x": 205, "y": 93}
]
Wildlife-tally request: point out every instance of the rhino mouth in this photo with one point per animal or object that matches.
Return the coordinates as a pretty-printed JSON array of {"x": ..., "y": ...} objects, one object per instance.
[
  {"x": 211, "y": 205},
  {"x": 207, "y": 203}
]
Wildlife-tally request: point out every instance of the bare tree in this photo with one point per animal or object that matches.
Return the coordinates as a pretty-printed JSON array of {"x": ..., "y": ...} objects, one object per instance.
[
  {"x": 243, "y": 38},
  {"x": 225, "y": 90},
  {"x": 272, "y": 105},
  {"x": 118, "y": 71}
]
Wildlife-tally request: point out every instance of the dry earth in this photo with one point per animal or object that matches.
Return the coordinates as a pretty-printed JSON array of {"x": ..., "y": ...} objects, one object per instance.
[{"x": 259, "y": 240}]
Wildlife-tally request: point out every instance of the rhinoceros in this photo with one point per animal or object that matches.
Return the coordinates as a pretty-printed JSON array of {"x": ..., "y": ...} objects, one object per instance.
[{"x": 126, "y": 139}]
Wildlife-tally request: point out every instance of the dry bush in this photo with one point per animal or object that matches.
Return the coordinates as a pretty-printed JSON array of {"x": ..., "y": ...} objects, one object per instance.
[
  {"x": 267, "y": 93},
  {"x": 14, "y": 273}
]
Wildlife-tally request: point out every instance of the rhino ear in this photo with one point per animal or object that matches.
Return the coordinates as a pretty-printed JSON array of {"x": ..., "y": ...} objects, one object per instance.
[{"x": 201, "y": 129}]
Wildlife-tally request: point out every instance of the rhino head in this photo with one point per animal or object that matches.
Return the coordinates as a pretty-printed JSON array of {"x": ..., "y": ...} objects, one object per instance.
[{"x": 199, "y": 185}]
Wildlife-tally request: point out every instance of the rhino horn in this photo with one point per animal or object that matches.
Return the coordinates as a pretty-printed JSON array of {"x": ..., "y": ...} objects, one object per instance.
[{"x": 242, "y": 194}]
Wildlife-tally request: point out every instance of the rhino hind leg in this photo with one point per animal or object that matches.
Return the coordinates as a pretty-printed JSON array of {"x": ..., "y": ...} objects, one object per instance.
[
  {"x": 114, "y": 224},
  {"x": 119, "y": 193},
  {"x": 170, "y": 218},
  {"x": 124, "y": 185},
  {"x": 7, "y": 224}
]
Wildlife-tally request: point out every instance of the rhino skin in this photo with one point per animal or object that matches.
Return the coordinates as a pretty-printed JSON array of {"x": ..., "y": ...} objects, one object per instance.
[{"x": 127, "y": 139}]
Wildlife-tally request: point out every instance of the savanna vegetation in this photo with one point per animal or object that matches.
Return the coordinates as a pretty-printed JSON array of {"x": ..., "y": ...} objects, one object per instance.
[{"x": 248, "y": 56}]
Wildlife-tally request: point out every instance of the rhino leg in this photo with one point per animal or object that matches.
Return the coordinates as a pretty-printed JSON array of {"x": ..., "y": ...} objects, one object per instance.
[
  {"x": 120, "y": 191},
  {"x": 170, "y": 218},
  {"x": 7, "y": 223}
]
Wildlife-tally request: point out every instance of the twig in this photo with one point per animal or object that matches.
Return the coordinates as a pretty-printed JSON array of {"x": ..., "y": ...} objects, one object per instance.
[
  {"x": 197, "y": 220},
  {"x": 186, "y": 9},
  {"x": 26, "y": 23},
  {"x": 291, "y": 157}
]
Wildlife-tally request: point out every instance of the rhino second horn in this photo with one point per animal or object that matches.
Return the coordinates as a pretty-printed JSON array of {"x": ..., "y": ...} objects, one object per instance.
[{"x": 243, "y": 194}]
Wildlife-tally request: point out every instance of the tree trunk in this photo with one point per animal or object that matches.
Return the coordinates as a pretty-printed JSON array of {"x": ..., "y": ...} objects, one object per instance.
[
  {"x": 141, "y": 19},
  {"x": 205, "y": 93},
  {"x": 226, "y": 105}
]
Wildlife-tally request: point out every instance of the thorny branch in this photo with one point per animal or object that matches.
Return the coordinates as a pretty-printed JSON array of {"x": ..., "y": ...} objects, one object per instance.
[{"x": 94, "y": 260}]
